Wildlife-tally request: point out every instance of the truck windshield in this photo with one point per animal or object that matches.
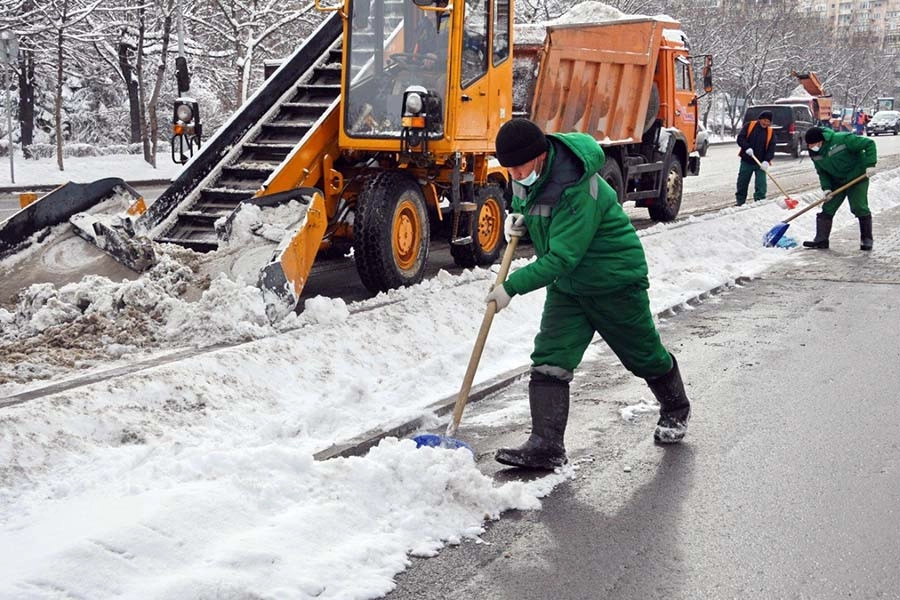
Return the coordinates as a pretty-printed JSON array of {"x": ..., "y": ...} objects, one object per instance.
[{"x": 392, "y": 46}]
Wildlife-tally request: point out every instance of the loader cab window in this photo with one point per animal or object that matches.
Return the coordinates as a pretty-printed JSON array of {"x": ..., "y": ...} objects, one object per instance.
[
  {"x": 475, "y": 41},
  {"x": 682, "y": 74},
  {"x": 391, "y": 47},
  {"x": 501, "y": 31}
]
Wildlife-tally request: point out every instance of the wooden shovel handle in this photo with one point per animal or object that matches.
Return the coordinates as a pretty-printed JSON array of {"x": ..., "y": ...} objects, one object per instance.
[
  {"x": 489, "y": 313},
  {"x": 825, "y": 198},
  {"x": 772, "y": 177}
]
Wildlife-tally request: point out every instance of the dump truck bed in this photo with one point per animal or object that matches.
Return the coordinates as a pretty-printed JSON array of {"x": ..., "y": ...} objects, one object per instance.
[{"x": 597, "y": 77}]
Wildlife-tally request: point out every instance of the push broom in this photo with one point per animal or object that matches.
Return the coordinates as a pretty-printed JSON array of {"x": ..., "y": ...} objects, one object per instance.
[
  {"x": 447, "y": 440},
  {"x": 776, "y": 233},
  {"x": 789, "y": 202}
]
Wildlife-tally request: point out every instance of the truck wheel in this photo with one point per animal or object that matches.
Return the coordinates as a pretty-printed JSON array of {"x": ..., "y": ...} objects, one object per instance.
[
  {"x": 487, "y": 239},
  {"x": 668, "y": 204},
  {"x": 611, "y": 173},
  {"x": 391, "y": 234},
  {"x": 795, "y": 148}
]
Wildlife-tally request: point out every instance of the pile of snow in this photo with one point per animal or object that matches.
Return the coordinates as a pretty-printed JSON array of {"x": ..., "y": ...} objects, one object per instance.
[
  {"x": 263, "y": 522},
  {"x": 584, "y": 12},
  {"x": 95, "y": 321},
  {"x": 51, "y": 331}
]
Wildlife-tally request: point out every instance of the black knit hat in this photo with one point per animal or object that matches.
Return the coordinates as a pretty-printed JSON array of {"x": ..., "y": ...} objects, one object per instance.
[
  {"x": 766, "y": 114},
  {"x": 519, "y": 141},
  {"x": 814, "y": 136}
]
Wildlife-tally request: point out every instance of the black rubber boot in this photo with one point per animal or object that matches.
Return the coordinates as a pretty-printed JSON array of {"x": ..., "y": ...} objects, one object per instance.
[
  {"x": 865, "y": 233},
  {"x": 544, "y": 449},
  {"x": 674, "y": 407},
  {"x": 823, "y": 232}
]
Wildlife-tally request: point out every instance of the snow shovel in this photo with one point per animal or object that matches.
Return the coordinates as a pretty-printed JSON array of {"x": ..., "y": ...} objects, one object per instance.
[
  {"x": 447, "y": 440},
  {"x": 789, "y": 203},
  {"x": 778, "y": 231}
]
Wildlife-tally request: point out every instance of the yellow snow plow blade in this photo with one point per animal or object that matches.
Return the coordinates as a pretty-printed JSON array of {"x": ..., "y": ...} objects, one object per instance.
[{"x": 282, "y": 280}]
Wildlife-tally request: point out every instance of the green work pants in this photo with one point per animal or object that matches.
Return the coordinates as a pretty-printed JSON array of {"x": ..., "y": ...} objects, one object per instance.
[
  {"x": 858, "y": 195},
  {"x": 623, "y": 319},
  {"x": 745, "y": 172}
]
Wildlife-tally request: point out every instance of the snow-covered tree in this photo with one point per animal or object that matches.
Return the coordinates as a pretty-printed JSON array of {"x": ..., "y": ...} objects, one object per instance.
[{"x": 241, "y": 30}]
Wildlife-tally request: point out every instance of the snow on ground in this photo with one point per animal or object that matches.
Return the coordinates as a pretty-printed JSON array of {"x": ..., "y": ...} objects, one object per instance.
[
  {"x": 130, "y": 167},
  {"x": 196, "y": 478}
]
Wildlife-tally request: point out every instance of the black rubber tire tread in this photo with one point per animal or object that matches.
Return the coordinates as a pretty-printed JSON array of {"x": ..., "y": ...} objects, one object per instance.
[
  {"x": 372, "y": 239},
  {"x": 611, "y": 173},
  {"x": 666, "y": 208},
  {"x": 471, "y": 255}
]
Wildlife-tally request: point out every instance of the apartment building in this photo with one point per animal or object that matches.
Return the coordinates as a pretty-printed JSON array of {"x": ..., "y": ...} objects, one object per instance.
[{"x": 873, "y": 20}]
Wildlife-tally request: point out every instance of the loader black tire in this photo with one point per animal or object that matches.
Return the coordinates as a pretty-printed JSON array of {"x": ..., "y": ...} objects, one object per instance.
[
  {"x": 668, "y": 204},
  {"x": 391, "y": 234},
  {"x": 487, "y": 239},
  {"x": 611, "y": 173}
]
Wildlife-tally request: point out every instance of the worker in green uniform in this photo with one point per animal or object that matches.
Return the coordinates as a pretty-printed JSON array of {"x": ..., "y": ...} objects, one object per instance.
[
  {"x": 591, "y": 261},
  {"x": 838, "y": 159}
]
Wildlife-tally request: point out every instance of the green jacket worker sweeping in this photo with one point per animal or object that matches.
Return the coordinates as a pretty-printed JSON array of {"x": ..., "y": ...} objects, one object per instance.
[{"x": 591, "y": 261}]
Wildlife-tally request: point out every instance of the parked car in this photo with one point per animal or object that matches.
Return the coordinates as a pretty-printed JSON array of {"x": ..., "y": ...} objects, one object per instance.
[
  {"x": 884, "y": 121},
  {"x": 702, "y": 144},
  {"x": 790, "y": 121}
]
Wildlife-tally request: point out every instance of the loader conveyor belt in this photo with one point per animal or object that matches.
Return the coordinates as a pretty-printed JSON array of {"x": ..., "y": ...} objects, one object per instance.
[{"x": 275, "y": 142}]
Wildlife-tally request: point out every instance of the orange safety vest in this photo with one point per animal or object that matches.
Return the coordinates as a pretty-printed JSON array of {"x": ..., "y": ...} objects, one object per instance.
[{"x": 750, "y": 127}]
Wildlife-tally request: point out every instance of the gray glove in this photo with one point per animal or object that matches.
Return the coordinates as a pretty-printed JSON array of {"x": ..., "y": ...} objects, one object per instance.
[
  {"x": 764, "y": 165},
  {"x": 514, "y": 225},
  {"x": 748, "y": 152},
  {"x": 827, "y": 193}
]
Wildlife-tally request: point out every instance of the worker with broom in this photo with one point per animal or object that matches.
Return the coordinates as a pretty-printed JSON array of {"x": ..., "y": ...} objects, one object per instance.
[
  {"x": 839, "y": 158},
  {"x": 757, "y": 151},
  {"x": 592, "y": 263}
]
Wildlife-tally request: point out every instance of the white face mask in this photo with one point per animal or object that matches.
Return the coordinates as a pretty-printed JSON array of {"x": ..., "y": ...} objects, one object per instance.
[
  {"x": 815, "y": 148},
  {"x": 529, "y": 179}
]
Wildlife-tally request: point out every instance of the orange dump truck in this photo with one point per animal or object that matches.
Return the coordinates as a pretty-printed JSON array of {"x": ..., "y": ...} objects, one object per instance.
[{"x": 630, "y": 84}]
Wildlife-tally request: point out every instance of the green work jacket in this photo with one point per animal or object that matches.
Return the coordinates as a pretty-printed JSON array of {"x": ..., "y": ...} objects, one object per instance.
[
  {"x": 584, "y": 242},
  {"x": 843, "y": 156}
]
